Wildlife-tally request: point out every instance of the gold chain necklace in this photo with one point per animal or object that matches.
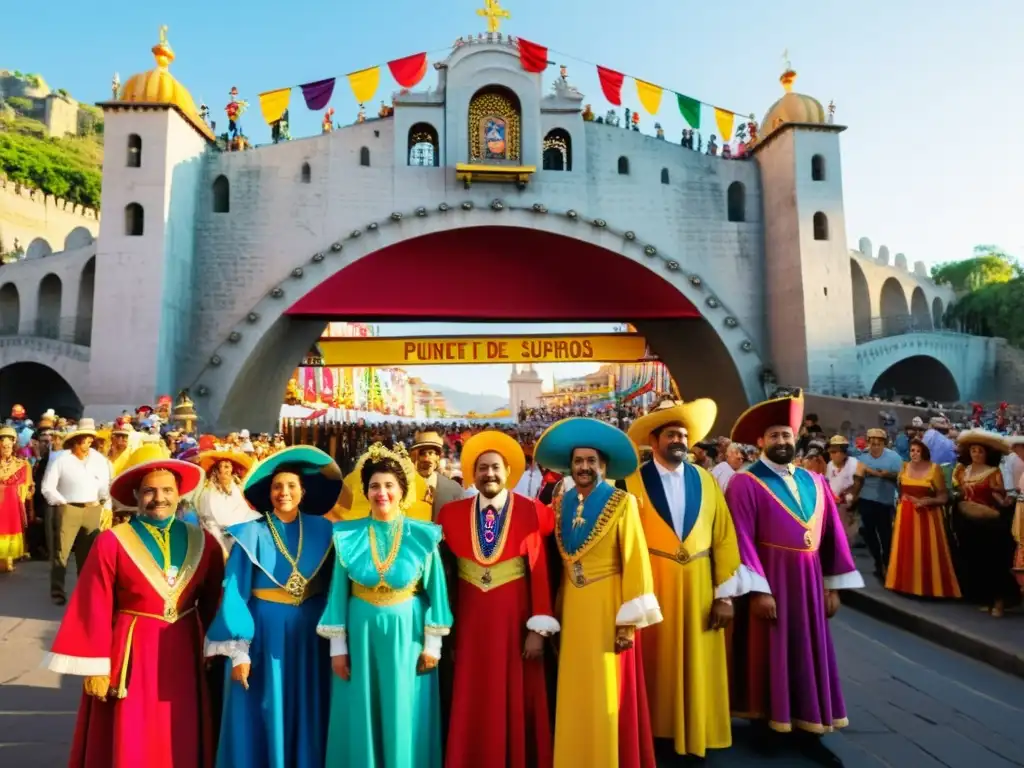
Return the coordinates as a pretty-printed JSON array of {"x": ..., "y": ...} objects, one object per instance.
[
  {"x": 162, "y": 537},
  {"x": 296, "y": 584},
  {"x": 385, "y": 566}
]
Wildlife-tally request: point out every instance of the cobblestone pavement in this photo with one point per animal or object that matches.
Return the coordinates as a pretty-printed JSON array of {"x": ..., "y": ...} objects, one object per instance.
[{"x": 911, "y": 704}]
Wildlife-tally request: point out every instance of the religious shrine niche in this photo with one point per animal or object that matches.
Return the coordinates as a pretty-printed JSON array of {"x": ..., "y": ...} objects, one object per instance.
[{"x": 495, "y": 126}]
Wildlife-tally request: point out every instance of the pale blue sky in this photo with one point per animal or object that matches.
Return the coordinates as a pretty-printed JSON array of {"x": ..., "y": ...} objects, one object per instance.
[{"x": 932, "y": 163}]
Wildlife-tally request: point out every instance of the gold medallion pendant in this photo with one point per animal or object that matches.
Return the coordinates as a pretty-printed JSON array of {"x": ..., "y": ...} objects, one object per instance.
[
  {"x": 682, "y": 555},
  {"x": 486, "y": 578},
  {"x": 808, "y": 539},
  {"x": 296, "y": 585},
  {"x": 577, "y": 574}
]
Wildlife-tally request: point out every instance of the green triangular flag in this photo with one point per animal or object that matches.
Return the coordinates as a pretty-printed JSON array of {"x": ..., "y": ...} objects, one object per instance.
[{"x": 690, "y": 110}]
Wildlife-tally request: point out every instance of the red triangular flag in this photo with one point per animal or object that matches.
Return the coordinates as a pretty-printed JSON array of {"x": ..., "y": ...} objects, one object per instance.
[
  {"x": 611, "y": 84},
  {"x": 533, "y": 57},
  {"x": 410, "y": 70}
]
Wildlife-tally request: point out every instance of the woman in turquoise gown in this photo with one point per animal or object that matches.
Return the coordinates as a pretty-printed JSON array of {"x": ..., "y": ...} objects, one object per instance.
[
  {"x": 277, "y": 692},
  {"x": 386, "y": 614}
]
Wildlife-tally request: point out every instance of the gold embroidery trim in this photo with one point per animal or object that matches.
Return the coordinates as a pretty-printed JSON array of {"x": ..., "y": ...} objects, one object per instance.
[
  {"x": 170, "y": 617},
  {"x": 597, "y": 533},
  {"x": 11, "y": 467},
  {"x": 681, "y": 555},
  {"x": 382, "y": 595},
  {"x": 494, "y": 576},
  {"x": 136, "y": 550},
  {"x": 474, "y": 526},
  {"x": 817, "y": 501},
  {"x": 282, "y": 596}
]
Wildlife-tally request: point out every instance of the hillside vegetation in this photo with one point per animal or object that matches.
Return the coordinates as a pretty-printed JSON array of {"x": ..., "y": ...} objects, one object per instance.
[{"x": 66, "y": 167}]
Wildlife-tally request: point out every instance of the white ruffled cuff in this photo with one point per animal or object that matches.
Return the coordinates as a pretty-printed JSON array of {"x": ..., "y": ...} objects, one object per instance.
[
  {"x": 236, "y": 650},
  {"x": 330, "y": 631},
  {"x": 432, "y": 646},
  {"x": 545, "y": 626},
  {"x": 339, "y": 646},
  {"x": 85, "y": 666},
  {"x": 639, "y": 612},
  {"x": 741, "y": 582},
  {"x": 850, "y": 580},
  {"x": 758, "y": 583}
]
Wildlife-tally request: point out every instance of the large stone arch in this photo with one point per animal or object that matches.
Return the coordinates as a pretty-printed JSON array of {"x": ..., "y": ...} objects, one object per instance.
[
  {"x": 861, "y": 302},
  {"x": 920, "y": 314},
  {"x": 918, "y": 375},
  {"x": 42, "y": 373},
  {"x": 938, "y": 312},
  {"x": 240, "y": 384},
  {"x": 893, "y": 306}
]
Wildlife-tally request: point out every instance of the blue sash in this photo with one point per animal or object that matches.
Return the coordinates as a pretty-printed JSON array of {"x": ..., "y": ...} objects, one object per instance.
[
  {"x": 802, "y": 509},
  {"x": 593, "y": 506},
  {"x": 693, "y": 495}
]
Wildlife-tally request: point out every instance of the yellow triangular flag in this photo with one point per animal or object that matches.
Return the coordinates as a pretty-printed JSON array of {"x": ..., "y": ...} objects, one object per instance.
[
  {"x": 724, "y": 119},
  {"x": 650, "y": 96},
  {"x": 274, "y": 103},
  {"x": 364, "y": 83}
]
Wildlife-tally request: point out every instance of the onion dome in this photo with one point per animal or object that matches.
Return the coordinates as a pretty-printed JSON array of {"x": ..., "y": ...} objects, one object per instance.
[
  {"x": 792, "y": 108},
  {"x": 159, "y": 87}
]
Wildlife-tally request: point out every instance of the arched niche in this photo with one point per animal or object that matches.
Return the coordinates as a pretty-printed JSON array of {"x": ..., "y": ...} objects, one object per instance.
[
  {"x": 10, "y": 310},
  {"x": 920, "y": 312},
  {"x": 86, "y": 291},
  {"x": 895, "y": 312},
  {"x": 424, "y": 147},
  {"x": 48, "y": 307},
  {"x": 938, "y": 310},
  {"x": 495, "y": 126},
  {"x": 557, "y": 150},
  {"x": 861, "y": 302}
]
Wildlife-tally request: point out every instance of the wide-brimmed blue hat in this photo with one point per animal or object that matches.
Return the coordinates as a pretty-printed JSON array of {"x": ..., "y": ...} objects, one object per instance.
[
  {"x": 320, "y": 475},
  {"x": 554, "y": 448}
]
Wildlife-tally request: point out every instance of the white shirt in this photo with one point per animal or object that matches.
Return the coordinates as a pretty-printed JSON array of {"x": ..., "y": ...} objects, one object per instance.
[
  {"x": 217, "y": 510},
  {"x": 723, "y": 473},
  {"x": 70, "y": 480},
  {"x": 675, "y": 493},
  {"x": 785, "y": 471},
  {"x": 1013, "y": 470},
  {"x": 530, "y": 483},
  {"x": 840, "y": 480},
  {"x": 498, "y": 502}
]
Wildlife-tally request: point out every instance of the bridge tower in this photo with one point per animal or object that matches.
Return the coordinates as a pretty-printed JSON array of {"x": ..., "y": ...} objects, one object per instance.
[
  {"x": 155, "y": 140},
  {"x": 807, "y": 263}
]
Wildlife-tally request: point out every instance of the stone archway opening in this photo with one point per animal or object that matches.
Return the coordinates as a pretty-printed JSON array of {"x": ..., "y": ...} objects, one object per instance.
[
  {"x": 861, "y": 303},
  {"x": 492, "y": 274},
  {"x": 895, "y": 310},
  {"x": 920, "y": 313},
  {"x": 37, "y": 387},
  {"x": 920, "y": 376}
]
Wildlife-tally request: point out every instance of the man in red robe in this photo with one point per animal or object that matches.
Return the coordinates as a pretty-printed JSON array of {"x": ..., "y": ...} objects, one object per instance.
[
  {"x": 499, "y": 713},
  {"x": 135, "y": 625}
]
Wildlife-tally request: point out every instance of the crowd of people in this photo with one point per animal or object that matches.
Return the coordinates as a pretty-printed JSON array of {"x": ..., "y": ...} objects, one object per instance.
[{"x": 572, "y": 593}]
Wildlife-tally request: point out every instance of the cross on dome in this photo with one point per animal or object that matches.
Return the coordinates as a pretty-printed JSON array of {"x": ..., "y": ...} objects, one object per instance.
[{"x": 494, "y": 13}]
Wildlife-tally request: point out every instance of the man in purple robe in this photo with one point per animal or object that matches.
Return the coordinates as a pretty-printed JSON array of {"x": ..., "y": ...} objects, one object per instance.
[{"x": 791, "y": 540}]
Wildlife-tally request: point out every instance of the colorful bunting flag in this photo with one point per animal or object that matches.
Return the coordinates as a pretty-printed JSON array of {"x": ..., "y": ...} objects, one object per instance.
[
  {"x": 274, "y": 103},
  {"x": 649, "y": 95},
  {"x": 409, "y": 71},
  {"x": 533, "y": 57},
  {"x": 690, "y": 110},
  {"x": 611, "y": 84},
  {"x": 724, "y": 120},
  {"x": 364, "y": 83},
  {"x": 318, "y": 94}
]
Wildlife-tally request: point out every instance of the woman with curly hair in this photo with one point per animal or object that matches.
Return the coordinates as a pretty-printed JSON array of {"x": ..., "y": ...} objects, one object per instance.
[{"x": 386, "y": 614}]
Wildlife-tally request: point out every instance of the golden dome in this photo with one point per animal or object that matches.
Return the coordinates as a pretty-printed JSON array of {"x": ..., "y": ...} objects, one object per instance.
[
  {"x": 792, "y": 108},
  {"x": 159, "y": 86}
]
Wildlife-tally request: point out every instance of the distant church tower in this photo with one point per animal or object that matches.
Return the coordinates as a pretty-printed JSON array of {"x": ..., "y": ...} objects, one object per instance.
[
  {"x": 524, "y": 388},
  {"x": 807, "y": 262}
]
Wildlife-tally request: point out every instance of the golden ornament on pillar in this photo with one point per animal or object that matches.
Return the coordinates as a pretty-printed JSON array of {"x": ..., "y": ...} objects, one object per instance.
[{"x": 184, "y": 412}]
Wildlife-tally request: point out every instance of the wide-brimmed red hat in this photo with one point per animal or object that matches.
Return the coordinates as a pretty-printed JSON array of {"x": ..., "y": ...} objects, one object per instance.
[
  {"x": 758, "y": 419},
  {"x": 151, "y": 457}
]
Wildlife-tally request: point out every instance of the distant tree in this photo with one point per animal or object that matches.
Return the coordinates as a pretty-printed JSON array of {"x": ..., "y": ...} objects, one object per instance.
[
  {"x": 989, "y": 264},
  {"x": 991, "y": 294}
]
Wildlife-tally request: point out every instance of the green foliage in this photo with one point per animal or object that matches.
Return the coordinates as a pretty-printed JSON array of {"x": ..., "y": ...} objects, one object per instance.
[
  {"x": 989, "y": 265},
  {"x": 20, "y": 104}
]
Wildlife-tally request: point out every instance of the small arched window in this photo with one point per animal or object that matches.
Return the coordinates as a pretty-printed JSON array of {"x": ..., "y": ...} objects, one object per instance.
[
  {"x": 664, "y": 175},
  {"x": 820, "y": 226},
  {"x": 424, "y": 147},
  {"x": 557, "y": 150},
  {"x": 134, "y": 151},
  {"x": 307, "y": 173},
  {"x": 817, "y": 168},
  {"x": 364, "y": 157},
  {"x": 623, "y": 166},
  {"x": 134, "y": 220},
  {"x": 736, "y": 201},
  {"x": 221, "y": 195}
]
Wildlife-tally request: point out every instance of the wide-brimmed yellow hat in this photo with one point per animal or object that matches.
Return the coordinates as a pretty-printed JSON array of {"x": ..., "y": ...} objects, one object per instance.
[
  {"x": 8, "y": 431},
  {"x": 500, "y": 443},
  {"x": 992, "y": 440},
  {"x": 149, "y": 458},
  {"x": 209, "y": 459},
  {"x": 698, "y": 416}
]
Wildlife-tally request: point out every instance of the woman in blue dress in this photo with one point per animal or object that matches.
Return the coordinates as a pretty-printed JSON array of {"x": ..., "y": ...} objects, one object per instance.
[
  {"x": 386, "y": 614},
  {"x": 276, "y": 697}
]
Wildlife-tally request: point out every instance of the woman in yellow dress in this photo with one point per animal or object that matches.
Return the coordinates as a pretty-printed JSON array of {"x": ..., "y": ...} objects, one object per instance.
[
  {"x": 606, "y": 595},
  {"x": 920, "y": 563}
]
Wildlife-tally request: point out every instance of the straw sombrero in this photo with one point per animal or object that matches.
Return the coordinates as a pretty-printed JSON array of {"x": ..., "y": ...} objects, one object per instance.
[
  {"x": 984, "y": 437},
  {"x": 500, "y": 443},
  {"x": 698, "y": 416},
  {"x": 209, "y": 459},
  {"x": 150, "y": 458},
  {"x": 85, "y": 428}
]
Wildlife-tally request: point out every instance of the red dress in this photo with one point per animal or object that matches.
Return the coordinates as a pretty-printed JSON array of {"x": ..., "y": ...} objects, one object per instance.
[
  {"x": 499, "y": 713},
  {"x": 126, "y": 621},
  {"x": 14, "y": 479}
]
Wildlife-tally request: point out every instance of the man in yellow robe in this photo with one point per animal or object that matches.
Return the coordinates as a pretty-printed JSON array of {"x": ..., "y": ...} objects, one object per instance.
[
  {"x": 696, "y": 565},
  {"x": 606, "y": 595}
]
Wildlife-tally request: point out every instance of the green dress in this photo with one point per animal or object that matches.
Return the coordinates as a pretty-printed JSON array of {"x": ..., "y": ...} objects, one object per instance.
[{"x": 386, "y": 715}]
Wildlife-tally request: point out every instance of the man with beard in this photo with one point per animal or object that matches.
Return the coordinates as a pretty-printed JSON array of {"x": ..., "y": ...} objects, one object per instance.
[
  {"x": 426, "y": 452},
  {"x": 135, "y": 625},
  {"x": 792, "y": 543},
  {"x": 697, "y": 572},
  {"x": 503, "y": 603},
  {"x": 607, "y": 592}
]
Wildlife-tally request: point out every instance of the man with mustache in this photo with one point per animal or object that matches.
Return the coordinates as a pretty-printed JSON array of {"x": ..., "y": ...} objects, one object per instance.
[
  {"x": 607, "y": 594},
  {"x": 437, "y": 490},
  {"x": 697, "y": 571},
  {"x": 503, "y": 606},
  {"x": 135, "y": 625},
  {"x": 791, "y": 540}
]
